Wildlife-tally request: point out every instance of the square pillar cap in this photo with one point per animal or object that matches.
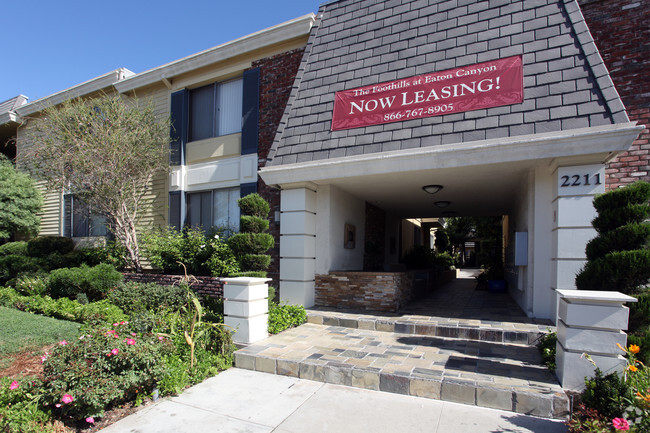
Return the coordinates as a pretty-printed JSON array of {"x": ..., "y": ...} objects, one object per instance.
[
  {"x": 245, "y": 281},
  {"x": 595, "y": 296}
]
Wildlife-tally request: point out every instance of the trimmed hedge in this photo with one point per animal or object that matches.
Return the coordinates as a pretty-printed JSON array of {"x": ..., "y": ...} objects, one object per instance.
[
  {"x": 94, "y": 282},
  {"x": 43, "y": 246}
]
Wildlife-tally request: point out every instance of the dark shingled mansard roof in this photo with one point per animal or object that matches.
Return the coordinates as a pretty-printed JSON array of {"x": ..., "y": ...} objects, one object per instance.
[{"x": 358, "y": 43}]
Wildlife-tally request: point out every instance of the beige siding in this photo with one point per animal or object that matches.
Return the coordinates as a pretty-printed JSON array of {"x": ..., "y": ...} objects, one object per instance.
[{"x": 51, "y": 218}]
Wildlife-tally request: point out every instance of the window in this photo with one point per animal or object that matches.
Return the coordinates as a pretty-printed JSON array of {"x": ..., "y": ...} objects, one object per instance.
[
  {"x": 80, "y": 221},
  {"x": 215, "y": 109},
  {"x": 214, "y": 208}
]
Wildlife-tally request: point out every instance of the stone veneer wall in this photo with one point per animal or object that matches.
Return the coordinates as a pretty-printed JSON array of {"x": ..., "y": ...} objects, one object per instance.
[
  {"x": 374, "y": 291},
  {"x": 277, "y": 74},
  {"x": 210, "y": 286},
  {"x": 621, "y": 32}
]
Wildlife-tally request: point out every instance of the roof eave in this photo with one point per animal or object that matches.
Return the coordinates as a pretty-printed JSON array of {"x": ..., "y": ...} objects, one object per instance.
[
  {"x": 286, "y": 31},
  {"x": 91, "y": 86}
]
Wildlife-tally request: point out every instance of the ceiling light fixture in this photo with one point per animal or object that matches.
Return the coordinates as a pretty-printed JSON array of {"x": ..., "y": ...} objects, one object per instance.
[
  {"x": 442, "y": 203},
  {"x": 432, "y": 189}
]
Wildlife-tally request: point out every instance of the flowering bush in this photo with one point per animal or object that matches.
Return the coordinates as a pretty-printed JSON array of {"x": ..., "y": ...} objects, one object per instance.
[
  {"x": 613, "y": 403},
  {"x": 103, "y": 368},
  {"x": 20, "y": 410}
]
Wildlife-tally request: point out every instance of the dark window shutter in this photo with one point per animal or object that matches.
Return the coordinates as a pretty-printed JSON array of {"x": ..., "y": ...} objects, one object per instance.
[
  {"x": 67, "y": 215},
  {"x": 247, "y": 188},
  {"x": 250, "y": 111},
  {"x": 178, "y": 128},
  {"x": 175, "y": 209}
]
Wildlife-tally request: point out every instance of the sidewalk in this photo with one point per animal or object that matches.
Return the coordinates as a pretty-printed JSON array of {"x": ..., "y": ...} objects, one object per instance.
[{"x": 247, "y": 401}]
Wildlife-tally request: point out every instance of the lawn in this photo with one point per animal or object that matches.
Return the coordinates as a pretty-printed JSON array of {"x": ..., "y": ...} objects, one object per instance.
[{"x": 22, "y": 332}]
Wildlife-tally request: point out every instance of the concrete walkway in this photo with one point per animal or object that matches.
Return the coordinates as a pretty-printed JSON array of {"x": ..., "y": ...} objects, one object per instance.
[{"x": 247, "y": 401}]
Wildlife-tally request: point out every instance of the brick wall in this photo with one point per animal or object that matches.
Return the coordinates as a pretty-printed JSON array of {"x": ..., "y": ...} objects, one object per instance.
[
  {"x": 277, "y": 74},
  {"x": 210, "y": 286},
  {"x": 621, "y": 31},
  {"x": 374, "y": 291}
]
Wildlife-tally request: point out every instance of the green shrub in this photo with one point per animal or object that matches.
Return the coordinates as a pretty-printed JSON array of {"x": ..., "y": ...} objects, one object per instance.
[
  {"x": 547, "y": 348},
  {"x": 95, "y": 282},
  {"x": 282, "y": 317},
  {"x": 32, "y": 284},
  {"x": 252, "y": 224},
  {"x": 138, "y": 297},
  {"x": 13, "y": 265},
  {"x": 18, "y": 248},
  {"x": 638, "y": 192},
  {"x": 610, "y": 219},
  {"x": 112, "y": 253},
  {"x": 443, "y": 260},
  {"x": 43, "y": 246},
  {"x": 255, "y": 261},
  {"x": 252, "y": 243},
  {"x": 605, "y": 394},
  {"x": 201, "y": 253},
  {"x": 107, "y": 367},
  {"x": 623, "y": 271},
  {"x": 254, "y": 205},
  {"x": 628, "y": 237}
]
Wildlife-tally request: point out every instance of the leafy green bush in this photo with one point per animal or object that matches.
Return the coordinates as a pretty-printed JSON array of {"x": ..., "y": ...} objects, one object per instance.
[
  {"x": 605, "y": 393},
  {"x": 95, "y": 282},
  {"x": 43, "y": 246},
  {"x": 112, "y": 253},
  {"x": 19, "y": 407},
  {"x": 443, "y": 260},
  {"x": 32, "y": 284},
  {"x": 18, "y": 248},
  {"x": 138, "y": 297},
  {"x": 547, "y": 348},
  {"x": 282, "y": 317},
  {"x": 63, "y": 308},
  {"x": 252, "y": 224},
  {"x": 109, "y": 366},
  {"x": 254, "y": 205},
  {"x": 201, "y": 253},
  {"x": 13, "y": 265}
]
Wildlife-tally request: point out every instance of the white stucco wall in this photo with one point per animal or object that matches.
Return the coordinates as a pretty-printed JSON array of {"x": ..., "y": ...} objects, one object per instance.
[
  {"x": 517, "y": 276},
  {"x": 335, "y": 209}
]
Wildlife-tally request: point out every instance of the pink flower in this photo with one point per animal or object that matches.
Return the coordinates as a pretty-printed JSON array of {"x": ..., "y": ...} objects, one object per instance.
[
  {"x": 130, "y": 341},
  {"x": 115, "y": 351},
  {"x": 13, "y": 385},
  {"x": 621, "y": 424},
  {"x": 161, "y": 338},
  {"x": 67, "y": 398},
  {"x": 58, "y": 405},
  {"x": 90, "y": 420},
  {"x": 115, "y": 324},
  {"x": 133, "y": 334},
  {"x": 63, "y": 343}
]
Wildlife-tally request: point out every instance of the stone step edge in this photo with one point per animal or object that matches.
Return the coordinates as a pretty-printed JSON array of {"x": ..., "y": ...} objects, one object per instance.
[
  {"x": 496, "y": 335},
  {"x": 544, "y": 405}
]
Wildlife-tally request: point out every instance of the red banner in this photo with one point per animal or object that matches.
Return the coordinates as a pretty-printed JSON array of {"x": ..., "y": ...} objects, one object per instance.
[{"x": 474, "y": 87}]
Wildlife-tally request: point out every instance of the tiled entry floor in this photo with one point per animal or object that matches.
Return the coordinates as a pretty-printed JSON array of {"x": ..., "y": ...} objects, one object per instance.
[{"x": 477, "y": 361}]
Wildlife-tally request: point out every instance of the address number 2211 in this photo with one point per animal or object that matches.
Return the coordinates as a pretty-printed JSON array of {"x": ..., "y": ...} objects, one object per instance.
[{"x": 580, "y": 179}]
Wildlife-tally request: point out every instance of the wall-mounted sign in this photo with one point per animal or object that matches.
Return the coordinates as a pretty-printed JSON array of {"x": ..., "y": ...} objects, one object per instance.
[{"x": 474, "y": 87}]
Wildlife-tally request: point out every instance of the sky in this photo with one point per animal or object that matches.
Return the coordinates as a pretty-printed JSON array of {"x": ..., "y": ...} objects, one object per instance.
[{"x": 50, "y": 46}]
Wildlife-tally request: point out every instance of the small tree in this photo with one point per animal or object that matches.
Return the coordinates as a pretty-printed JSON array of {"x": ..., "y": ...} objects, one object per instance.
[
  {"x": 252, "y": 242},
  {"x": 106, "y": 152},
  {"x": 619, "y": 258},
  {"x": 20, "y": 202}
]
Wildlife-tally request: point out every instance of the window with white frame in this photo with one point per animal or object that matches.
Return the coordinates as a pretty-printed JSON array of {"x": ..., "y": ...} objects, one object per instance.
[
  {"x": 214, "y": 208},
  {"x": 215, "y": 109}
]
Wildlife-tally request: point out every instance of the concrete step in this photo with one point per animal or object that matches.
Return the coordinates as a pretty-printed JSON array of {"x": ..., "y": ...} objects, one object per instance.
[
  {"x": 525, "y": 334},
  {"x": 474, "y": 372}
]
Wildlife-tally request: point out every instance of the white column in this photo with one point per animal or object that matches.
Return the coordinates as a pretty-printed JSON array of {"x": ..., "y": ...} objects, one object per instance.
[
  {"x": 573, "y": 212},
  {"x": 246, "y": 308},
  {"x": 590, "y": 323},
  {"x": 298, "y": 244}
]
